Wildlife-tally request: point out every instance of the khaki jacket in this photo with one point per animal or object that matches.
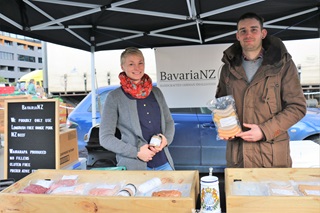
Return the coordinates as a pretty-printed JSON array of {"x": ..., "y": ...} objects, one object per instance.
[{"x": 273, "y": 100}]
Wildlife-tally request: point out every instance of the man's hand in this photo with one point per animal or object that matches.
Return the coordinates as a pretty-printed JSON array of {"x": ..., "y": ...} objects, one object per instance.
[{"x": 253, "y": 135}]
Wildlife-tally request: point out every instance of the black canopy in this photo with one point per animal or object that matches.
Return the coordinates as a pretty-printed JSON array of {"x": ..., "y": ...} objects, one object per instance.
[
  {"x": 94, "y": 25},
  {"x": 108, "y": 25}
]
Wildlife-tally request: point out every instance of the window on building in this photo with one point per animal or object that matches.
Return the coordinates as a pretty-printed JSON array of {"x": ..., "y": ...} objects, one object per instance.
[
  {"x": 5, "y": 33},
  {"x": 11, "y": 80},
  {"x": 6, "y": 68},
  {"x": 30, "y": 47},
  {"x": 20, "y": 46},
  {"x": 24, "y": 69},
  {"x": 26, "y": 58},
  {"x": 39, "y": 60},
  {"x": 21, "y": 57},
  {"x": 39, "y": 49},
  {"x": 21, "y": 37},
  {"x": 8, "y": 43},
  {"x": 6, "y": 55}
]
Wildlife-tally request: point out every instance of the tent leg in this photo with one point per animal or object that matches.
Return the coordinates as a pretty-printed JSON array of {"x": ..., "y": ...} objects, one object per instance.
[{"x": 93, "y": 89}]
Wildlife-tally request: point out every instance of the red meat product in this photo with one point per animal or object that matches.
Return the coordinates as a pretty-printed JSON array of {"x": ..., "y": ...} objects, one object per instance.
[
  {"x": 34, "y": 189},
  {"x": 70, "y": 190},
  {"x": 104, "y": 190},
  {"x": 63, "y": 182}
]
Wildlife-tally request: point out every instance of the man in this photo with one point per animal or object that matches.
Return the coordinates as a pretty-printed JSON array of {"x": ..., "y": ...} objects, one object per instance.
[{"x": 261, "y": 76}]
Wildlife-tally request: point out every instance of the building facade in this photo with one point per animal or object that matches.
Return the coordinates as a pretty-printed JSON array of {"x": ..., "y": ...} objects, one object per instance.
[{"x": 19, "y": 55}]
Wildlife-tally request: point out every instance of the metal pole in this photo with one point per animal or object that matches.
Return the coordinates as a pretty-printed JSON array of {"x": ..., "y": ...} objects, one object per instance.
[
  {"x": 93, "y": 89},
  {"x": 45, "y": 67},
  {"x": 85, "y": 82}
]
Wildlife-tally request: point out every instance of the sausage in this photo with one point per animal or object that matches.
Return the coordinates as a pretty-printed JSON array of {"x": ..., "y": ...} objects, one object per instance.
[
  {"x": 229, "y": 133},
  {"x": 167, "y": 193}
]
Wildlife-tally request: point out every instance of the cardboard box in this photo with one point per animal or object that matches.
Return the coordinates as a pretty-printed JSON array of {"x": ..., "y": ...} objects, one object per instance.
[
  {"x": 274, "y": 204},
  {"x": 68, "y": 146},
  {"x": 64, "y": 110},
  {"x": 2, "y": 99},
  {"x": 10, "y": 200}
]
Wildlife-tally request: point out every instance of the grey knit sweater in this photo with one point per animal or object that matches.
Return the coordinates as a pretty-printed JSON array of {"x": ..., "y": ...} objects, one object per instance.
[{"x": 121, "y": 112}]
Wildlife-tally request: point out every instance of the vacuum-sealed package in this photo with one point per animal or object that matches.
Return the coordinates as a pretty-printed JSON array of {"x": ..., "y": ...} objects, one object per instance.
[{"x": 225, "y": 117}]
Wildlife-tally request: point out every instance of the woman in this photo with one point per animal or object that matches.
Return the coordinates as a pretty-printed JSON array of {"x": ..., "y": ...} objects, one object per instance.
[
  {"x": 139, "y": 111},
  {"x": 31, "y": 88}
]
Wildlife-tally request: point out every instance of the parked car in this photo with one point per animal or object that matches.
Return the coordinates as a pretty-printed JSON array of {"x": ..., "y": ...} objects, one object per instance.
[{"x": 195, "y": 144}]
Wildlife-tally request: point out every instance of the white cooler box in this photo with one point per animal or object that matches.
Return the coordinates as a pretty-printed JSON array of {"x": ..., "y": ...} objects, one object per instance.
[{"x": 81, "y": 164}]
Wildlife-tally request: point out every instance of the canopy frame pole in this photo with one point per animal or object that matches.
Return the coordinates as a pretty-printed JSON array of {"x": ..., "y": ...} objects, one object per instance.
[{"x": 93, "y": 87}]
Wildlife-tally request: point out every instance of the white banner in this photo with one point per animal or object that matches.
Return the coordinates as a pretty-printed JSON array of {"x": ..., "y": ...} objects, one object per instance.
[{"x": 188, "y": 75}]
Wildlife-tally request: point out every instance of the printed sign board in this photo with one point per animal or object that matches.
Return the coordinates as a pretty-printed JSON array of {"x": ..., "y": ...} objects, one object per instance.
[
  {"x": 188, "y": 76},
  {"x": 32, "y": 134}
]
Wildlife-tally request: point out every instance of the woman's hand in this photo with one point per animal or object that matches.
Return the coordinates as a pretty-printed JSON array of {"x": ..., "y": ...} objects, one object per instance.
[
  {"x": 164, "y": 143},
  {"x": 145, "y": 154}
]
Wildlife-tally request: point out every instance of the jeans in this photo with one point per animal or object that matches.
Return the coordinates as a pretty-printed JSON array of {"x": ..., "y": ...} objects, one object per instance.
[{"x": 165, "y": 166}]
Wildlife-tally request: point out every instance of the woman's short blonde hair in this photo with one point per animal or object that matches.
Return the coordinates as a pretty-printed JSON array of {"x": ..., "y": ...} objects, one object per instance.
[{"x": 130, "y": 51}]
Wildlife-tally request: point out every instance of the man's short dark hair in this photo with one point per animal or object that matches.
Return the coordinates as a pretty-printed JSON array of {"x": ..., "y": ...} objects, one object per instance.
[{"x": 250, "y": 16}]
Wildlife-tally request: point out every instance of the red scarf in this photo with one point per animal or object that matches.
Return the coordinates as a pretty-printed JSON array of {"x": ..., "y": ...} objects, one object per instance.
[{"x": 139, "y": 90}]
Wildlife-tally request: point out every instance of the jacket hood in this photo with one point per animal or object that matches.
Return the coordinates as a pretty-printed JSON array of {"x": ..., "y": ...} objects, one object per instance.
[{"x": 275, "y": 52}]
